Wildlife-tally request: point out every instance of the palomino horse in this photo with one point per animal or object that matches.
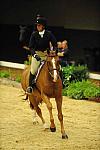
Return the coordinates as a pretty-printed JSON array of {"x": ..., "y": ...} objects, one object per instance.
[{"x": 48, "y": 85}]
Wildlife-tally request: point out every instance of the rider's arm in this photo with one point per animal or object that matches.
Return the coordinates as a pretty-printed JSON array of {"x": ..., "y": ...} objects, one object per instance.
[
  {"x": 32, "y": 47},
  {"x": 32, "y": 44}
]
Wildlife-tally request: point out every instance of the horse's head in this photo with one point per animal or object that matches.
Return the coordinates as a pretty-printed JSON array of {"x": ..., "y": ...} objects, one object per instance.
[{"x": 53, "y": 65}]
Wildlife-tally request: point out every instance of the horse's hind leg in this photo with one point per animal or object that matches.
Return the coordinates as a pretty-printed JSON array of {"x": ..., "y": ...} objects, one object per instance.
[
  {"x": 38, "y": 110},
  {"x": 35, "y": 120},
  {"x": 60, "y": 116},
  {"x": 34, "y": 105}
]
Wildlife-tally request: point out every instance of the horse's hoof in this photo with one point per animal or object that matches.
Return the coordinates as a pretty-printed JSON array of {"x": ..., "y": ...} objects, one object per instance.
[
  {"x": 53, "y": 129},
  {"x": 35, "y": 122},
  {"x": 64, "y": 136}
]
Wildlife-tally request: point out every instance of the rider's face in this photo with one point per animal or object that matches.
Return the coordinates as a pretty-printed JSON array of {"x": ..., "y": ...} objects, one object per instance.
[{"x": 40, "y": 27}]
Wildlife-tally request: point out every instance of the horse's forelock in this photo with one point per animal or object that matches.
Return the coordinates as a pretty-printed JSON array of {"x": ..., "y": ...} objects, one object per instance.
[{"x": 52, "y": 54}]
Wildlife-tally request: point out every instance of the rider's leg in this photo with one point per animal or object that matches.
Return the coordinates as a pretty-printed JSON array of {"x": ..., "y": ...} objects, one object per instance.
[
  {"x": 34, "y": 66},
  {"x": 31, "y": 83}
]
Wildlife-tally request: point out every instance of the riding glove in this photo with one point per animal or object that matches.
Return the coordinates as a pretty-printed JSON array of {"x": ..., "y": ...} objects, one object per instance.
[{"x": 37, "y": 57}]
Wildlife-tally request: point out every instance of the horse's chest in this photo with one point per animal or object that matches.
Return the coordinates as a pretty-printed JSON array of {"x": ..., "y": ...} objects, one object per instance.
[{"x": 51, "y": 90}]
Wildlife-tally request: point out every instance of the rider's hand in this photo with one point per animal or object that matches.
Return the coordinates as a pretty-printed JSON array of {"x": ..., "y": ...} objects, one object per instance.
[{"x": 37, "y": 57}]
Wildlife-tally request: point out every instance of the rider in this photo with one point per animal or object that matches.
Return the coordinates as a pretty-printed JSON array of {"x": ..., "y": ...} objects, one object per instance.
[{"x": 39, "y": 42}]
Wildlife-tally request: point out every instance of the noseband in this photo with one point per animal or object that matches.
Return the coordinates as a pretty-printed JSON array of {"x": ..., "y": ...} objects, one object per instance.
[{"x": 53, "y": 70}]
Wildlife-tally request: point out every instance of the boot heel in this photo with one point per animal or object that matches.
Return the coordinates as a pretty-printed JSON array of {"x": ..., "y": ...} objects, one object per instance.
[{"x": 29, "y": 90}]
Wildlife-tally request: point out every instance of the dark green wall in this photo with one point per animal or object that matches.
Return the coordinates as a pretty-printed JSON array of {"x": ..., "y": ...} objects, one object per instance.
[
  {"x": 78, "y": 21},
  {"x": 73, "y": 14},
  {"x": 83, "y": 44}
]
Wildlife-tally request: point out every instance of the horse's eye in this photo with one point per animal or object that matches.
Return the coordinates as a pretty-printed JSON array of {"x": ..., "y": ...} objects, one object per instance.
[{"x": 58, "y": 67}]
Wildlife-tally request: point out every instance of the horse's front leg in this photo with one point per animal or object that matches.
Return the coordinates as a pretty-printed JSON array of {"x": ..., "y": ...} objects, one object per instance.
[
  {"x": 60, "y": 116},
  {"x": 49, "y": 106}
]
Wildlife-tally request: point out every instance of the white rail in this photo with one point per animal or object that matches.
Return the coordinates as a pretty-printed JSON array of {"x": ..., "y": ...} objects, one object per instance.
[
  {"x": 94, "y": 76},
  {"x": 22, "y": 66},
  {"x": 12, "y": 65}
]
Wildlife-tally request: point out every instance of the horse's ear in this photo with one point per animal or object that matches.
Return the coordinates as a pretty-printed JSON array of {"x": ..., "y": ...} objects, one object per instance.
[
  {"x": 48, "y": 51},
  {"x": 54, "y": 52}
]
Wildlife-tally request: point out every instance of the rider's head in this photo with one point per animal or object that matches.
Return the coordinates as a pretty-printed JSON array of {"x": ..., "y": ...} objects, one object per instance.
[
  {"x": 41, "y": 23},
  {"x": 59, "y": 45},
  {"x": 64, "y": 44}
]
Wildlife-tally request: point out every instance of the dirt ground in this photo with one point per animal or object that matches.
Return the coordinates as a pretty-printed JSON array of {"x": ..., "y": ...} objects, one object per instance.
[{"x": 81, "y": 120}]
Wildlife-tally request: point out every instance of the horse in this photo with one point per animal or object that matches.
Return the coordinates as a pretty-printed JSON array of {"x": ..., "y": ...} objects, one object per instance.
[{"x": 48, "y": 85}]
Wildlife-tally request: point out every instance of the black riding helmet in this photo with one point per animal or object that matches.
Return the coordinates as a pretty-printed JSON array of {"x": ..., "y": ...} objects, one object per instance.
[{"x": 41, "y": 20}]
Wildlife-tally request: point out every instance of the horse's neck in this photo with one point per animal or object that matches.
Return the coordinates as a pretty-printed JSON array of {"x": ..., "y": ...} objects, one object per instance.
[
  {"x": 45, "y": 82},
  {"x": 44, "y": 74},
  {"x": 46, "y": 70}
]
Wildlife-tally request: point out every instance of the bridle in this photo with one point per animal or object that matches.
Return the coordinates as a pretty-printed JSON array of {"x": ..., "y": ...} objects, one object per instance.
[{"x": 51, "y": 70}]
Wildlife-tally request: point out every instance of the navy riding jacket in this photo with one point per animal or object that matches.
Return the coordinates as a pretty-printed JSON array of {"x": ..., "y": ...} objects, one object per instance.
[{"x": 38, "y": 43}]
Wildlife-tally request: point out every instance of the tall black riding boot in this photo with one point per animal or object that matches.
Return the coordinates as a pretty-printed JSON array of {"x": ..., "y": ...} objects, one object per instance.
[{"x": 31, "y": 83}]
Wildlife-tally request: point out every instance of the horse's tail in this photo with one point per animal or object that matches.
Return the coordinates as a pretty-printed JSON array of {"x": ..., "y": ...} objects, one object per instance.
[{"x": 25, "y": 80}]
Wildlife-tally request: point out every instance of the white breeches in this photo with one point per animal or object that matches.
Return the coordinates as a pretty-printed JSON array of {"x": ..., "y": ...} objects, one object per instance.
[{"x": 34, "y": 65}]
